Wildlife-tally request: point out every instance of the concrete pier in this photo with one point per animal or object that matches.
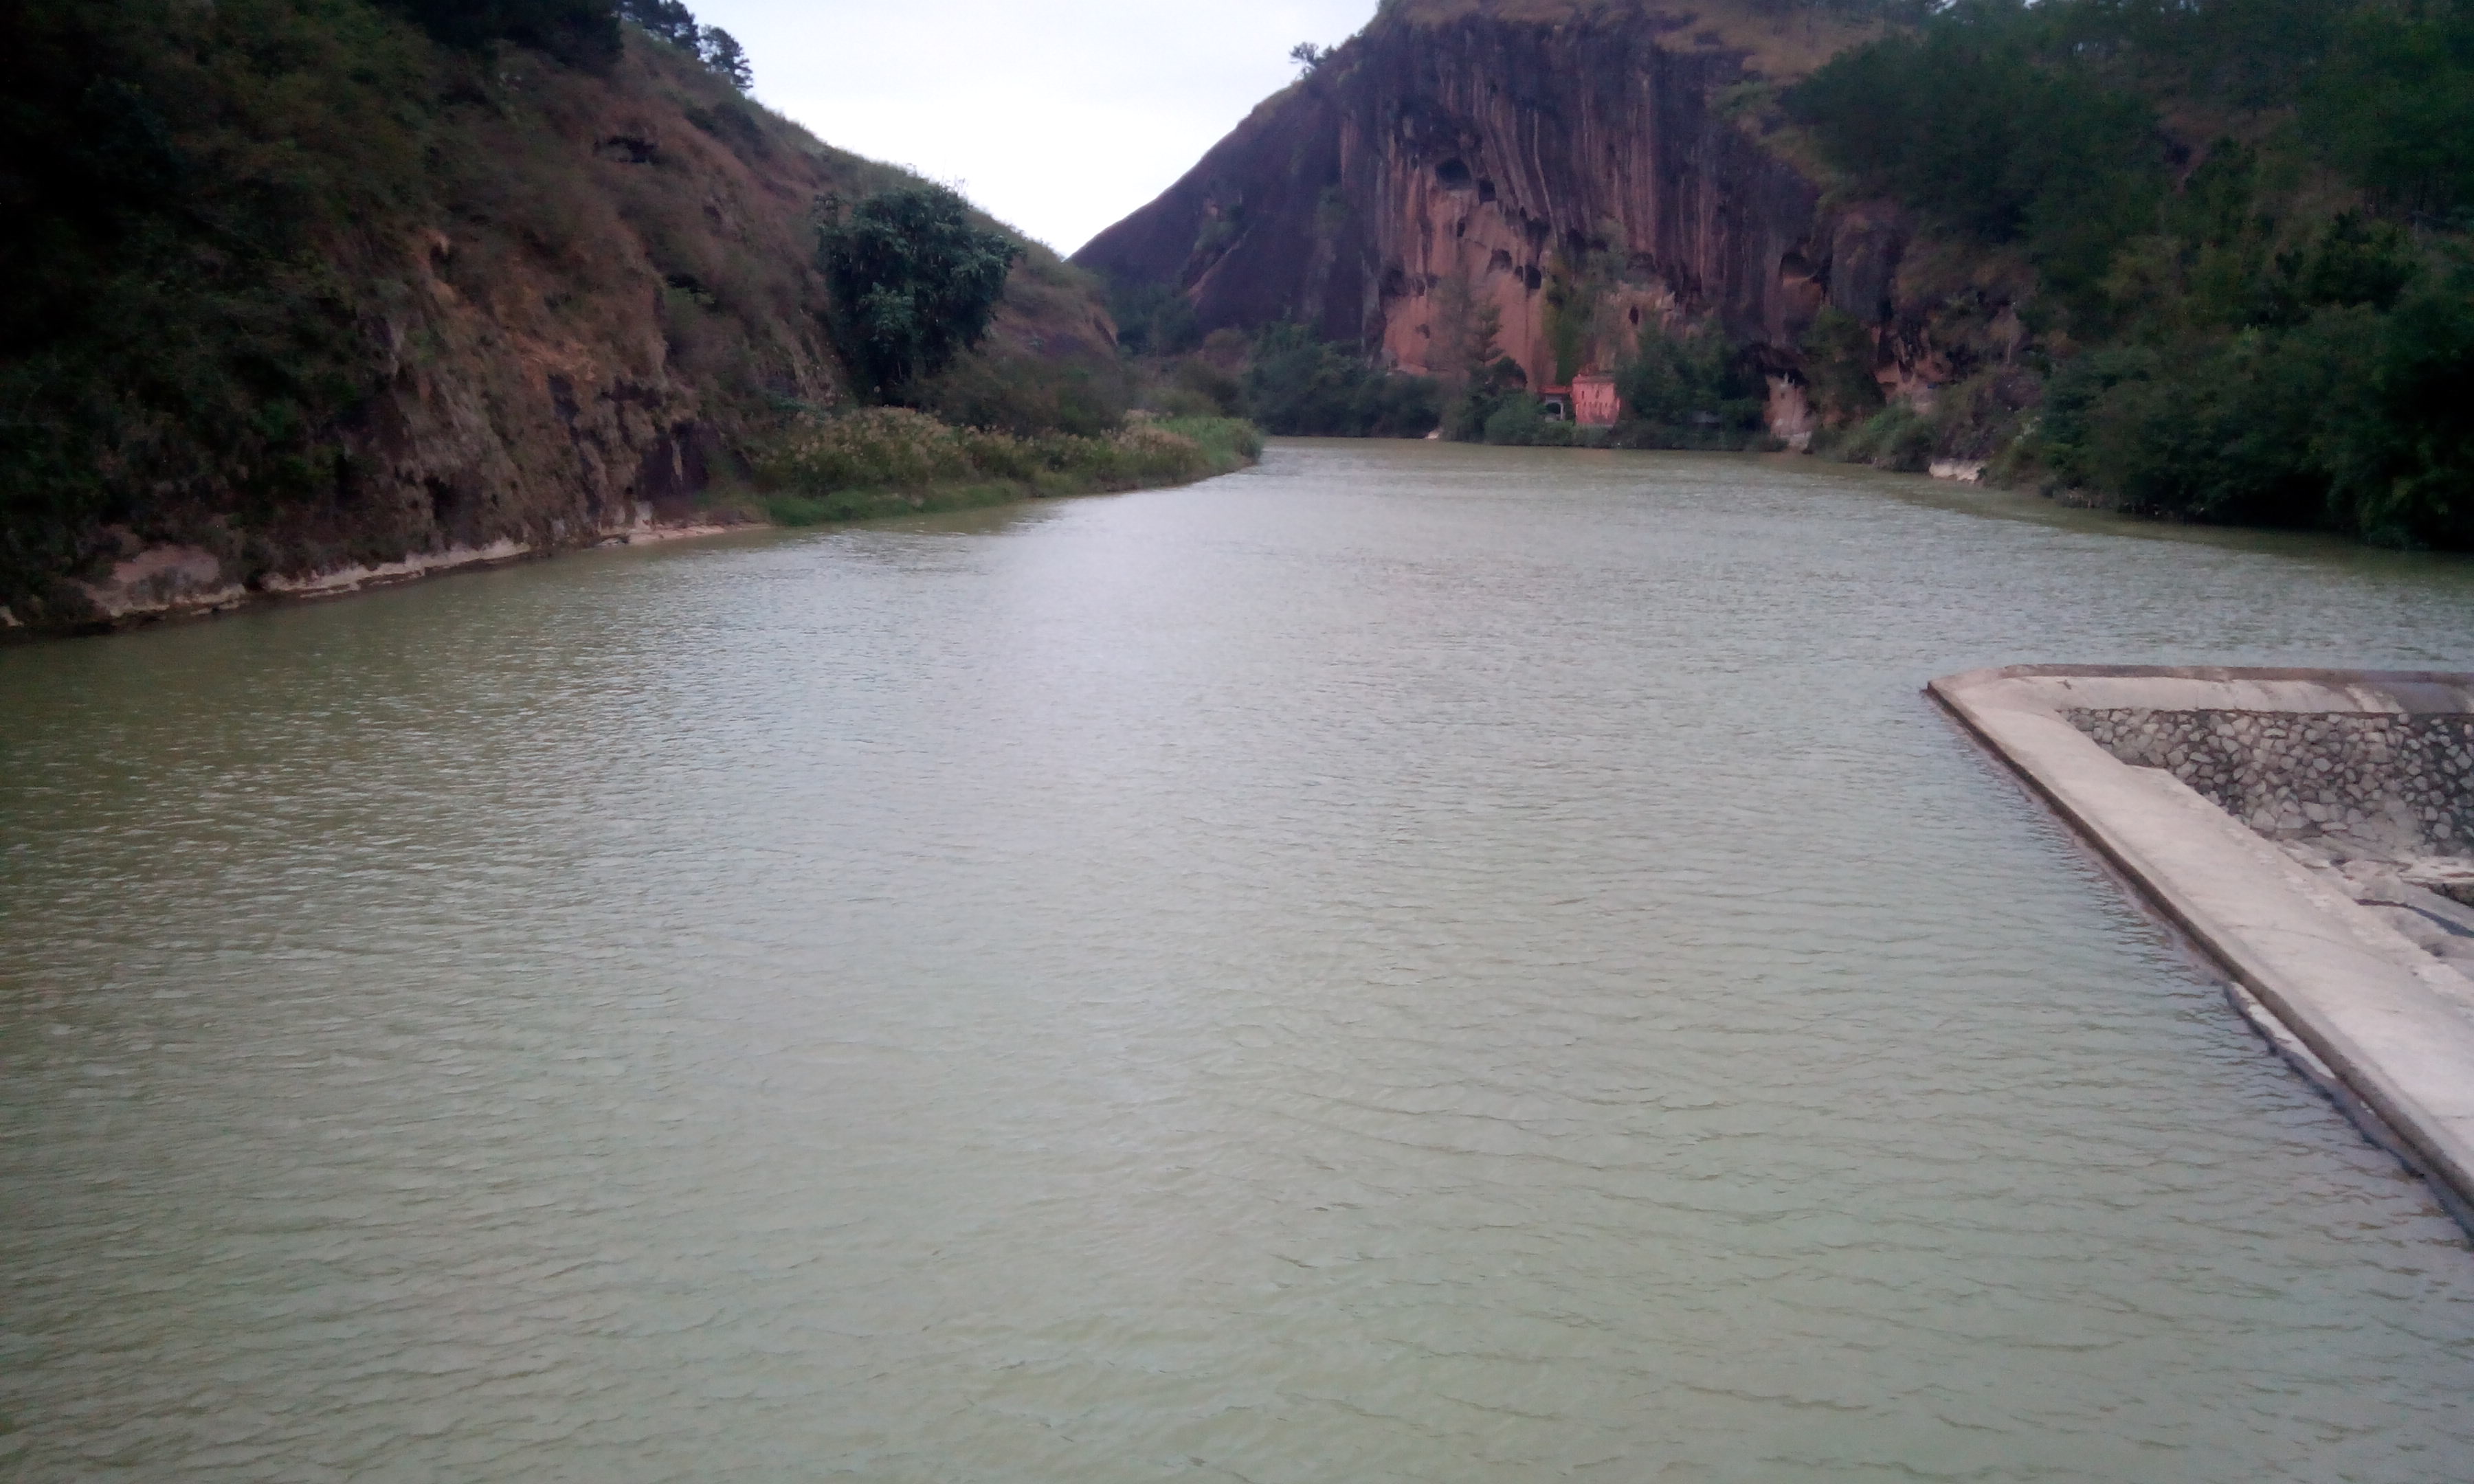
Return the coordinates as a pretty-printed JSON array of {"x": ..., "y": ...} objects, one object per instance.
[{"x": 2342, "y": 978}]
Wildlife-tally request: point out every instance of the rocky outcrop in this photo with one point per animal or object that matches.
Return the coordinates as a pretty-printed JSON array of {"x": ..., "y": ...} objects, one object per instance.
[{"x": 1570, "y": 166}]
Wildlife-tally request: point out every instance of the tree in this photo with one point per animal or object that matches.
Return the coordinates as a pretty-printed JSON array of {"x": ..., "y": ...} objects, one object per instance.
[
  {"x": 582, "y": 33},
  {"x": 1307, "y": 55},
  {"x": 668, "y": 20},
  {"x": 723, "y": 53},
  {"x": 1480, "y": 377},
  {"x": 1690, "y": 379},
  {"x": 915, "y": 283},
  {"x": 1839, "y": 352}
]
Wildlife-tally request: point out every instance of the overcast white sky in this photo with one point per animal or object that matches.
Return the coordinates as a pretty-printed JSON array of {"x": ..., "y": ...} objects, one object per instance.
[{"x": 1058, "y": 118}]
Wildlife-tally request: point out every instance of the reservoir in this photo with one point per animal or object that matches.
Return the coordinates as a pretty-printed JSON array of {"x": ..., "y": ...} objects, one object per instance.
[{"x": 1407, "y": 963}]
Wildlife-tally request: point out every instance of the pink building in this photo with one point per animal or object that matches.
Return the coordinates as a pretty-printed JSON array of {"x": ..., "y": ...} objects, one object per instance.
[{"x": 1594, "y": 402}]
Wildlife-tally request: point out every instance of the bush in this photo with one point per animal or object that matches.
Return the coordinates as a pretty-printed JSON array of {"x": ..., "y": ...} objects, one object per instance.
[
  {"x": 1153, "y": 318},
  {"x": 1898, "y": 436},
  {"x": 1691, "y": 385},
  {"x": 1198, "y": 388},
  {"x": 1302, "y": 386},
  {"x": 1520, "y": 420},
  {"x": 884, "y": 460},
  {"x": 1027, "y": 395},
  {"x": 1838, "y": 356}
]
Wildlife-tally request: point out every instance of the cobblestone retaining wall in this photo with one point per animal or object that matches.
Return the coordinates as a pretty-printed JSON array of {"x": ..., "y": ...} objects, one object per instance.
[{"x": 2404, "y": 780}]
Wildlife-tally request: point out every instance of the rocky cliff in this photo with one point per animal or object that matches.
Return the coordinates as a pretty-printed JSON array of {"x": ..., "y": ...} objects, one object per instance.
[{"x": 1578, "y": 167}]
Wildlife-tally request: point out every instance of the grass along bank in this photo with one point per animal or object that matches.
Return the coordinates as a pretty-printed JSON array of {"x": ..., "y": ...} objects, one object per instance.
[{"x": 892, "y": 461}]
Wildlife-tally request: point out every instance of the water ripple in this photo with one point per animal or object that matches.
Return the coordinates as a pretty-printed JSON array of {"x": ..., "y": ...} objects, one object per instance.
[{"x": 1411, "y": 963}]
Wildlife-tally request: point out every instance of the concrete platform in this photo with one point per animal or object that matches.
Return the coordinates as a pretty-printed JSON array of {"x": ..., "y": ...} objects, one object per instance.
[{"x": 2384, "y": 1026}]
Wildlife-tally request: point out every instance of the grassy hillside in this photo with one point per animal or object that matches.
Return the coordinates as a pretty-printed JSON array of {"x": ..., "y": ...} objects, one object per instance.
[
  {"x": 2207, "y": 260},
  {"x": 298, "y": 283}
]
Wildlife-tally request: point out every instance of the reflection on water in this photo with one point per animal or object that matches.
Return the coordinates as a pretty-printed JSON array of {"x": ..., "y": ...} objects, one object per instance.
[{"x": 1410, "y": 963}]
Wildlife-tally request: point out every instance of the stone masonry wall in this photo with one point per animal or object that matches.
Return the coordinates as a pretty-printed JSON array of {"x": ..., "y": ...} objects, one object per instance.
[{"x": 2407, "y": 782}]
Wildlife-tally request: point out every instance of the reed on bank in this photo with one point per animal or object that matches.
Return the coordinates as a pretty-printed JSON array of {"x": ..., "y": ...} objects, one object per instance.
[{"x": 890, "y": 461}]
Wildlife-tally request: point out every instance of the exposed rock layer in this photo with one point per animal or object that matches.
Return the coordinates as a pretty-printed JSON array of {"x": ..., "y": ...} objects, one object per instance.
[{"x": 1574, "y": 169}]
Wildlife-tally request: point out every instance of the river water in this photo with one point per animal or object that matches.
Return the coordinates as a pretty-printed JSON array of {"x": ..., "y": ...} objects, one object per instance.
[{"x": 1408, "y": 963}]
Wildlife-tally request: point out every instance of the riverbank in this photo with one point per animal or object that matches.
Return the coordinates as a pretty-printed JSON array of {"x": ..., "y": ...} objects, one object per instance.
[{"x": 864, "y": 467}]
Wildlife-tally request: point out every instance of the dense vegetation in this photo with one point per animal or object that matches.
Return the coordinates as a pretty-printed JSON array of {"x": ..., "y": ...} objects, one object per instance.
[
  {"x": 1687, "y": 387},
  {"x": 2245, "y": 221},
  {"x": 1299, "y": 385},
  {"x": 1690, "y": 390},
  {"x": 170, "y": 173},
  {"x": 1280, "y": 378},
  {"x": 199, "y": 198}
]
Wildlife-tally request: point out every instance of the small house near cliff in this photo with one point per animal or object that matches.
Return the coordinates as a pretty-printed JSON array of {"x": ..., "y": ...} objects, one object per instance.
[{"x": 1594, "y": 402}]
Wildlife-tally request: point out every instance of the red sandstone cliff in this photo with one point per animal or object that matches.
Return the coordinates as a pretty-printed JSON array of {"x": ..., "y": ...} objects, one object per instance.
[{"x": 1571, "y": 163}]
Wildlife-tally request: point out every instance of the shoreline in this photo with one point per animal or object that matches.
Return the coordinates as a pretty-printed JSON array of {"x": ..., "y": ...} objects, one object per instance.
[{"x": 176, "y": 583}]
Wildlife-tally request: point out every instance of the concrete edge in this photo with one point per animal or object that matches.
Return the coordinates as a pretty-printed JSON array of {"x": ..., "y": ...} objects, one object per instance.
[{"x": 2352, "y": 995}]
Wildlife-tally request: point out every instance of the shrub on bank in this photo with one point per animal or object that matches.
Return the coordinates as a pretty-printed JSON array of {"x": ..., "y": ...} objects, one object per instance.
[
  {"x": 888, "y": 460},
  {"x": 1898, "y": 437},
  {"x": 1298, "y": 386}
]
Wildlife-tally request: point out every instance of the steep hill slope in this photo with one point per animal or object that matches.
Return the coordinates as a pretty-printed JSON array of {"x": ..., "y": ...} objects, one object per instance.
[
  {"x": 2206, "y": 259},
  {"x": 1512, "y": 152},
  {"x": 303, "y": 294}
]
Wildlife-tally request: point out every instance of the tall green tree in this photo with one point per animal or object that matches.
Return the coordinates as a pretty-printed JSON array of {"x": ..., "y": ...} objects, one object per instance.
[
  {"x": 915, "y": 283},
  {"x": 723, "y": 53}
]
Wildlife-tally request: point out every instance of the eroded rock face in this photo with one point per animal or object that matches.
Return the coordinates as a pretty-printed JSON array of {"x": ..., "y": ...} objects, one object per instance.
[{"x": 1517, "y": 159}]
